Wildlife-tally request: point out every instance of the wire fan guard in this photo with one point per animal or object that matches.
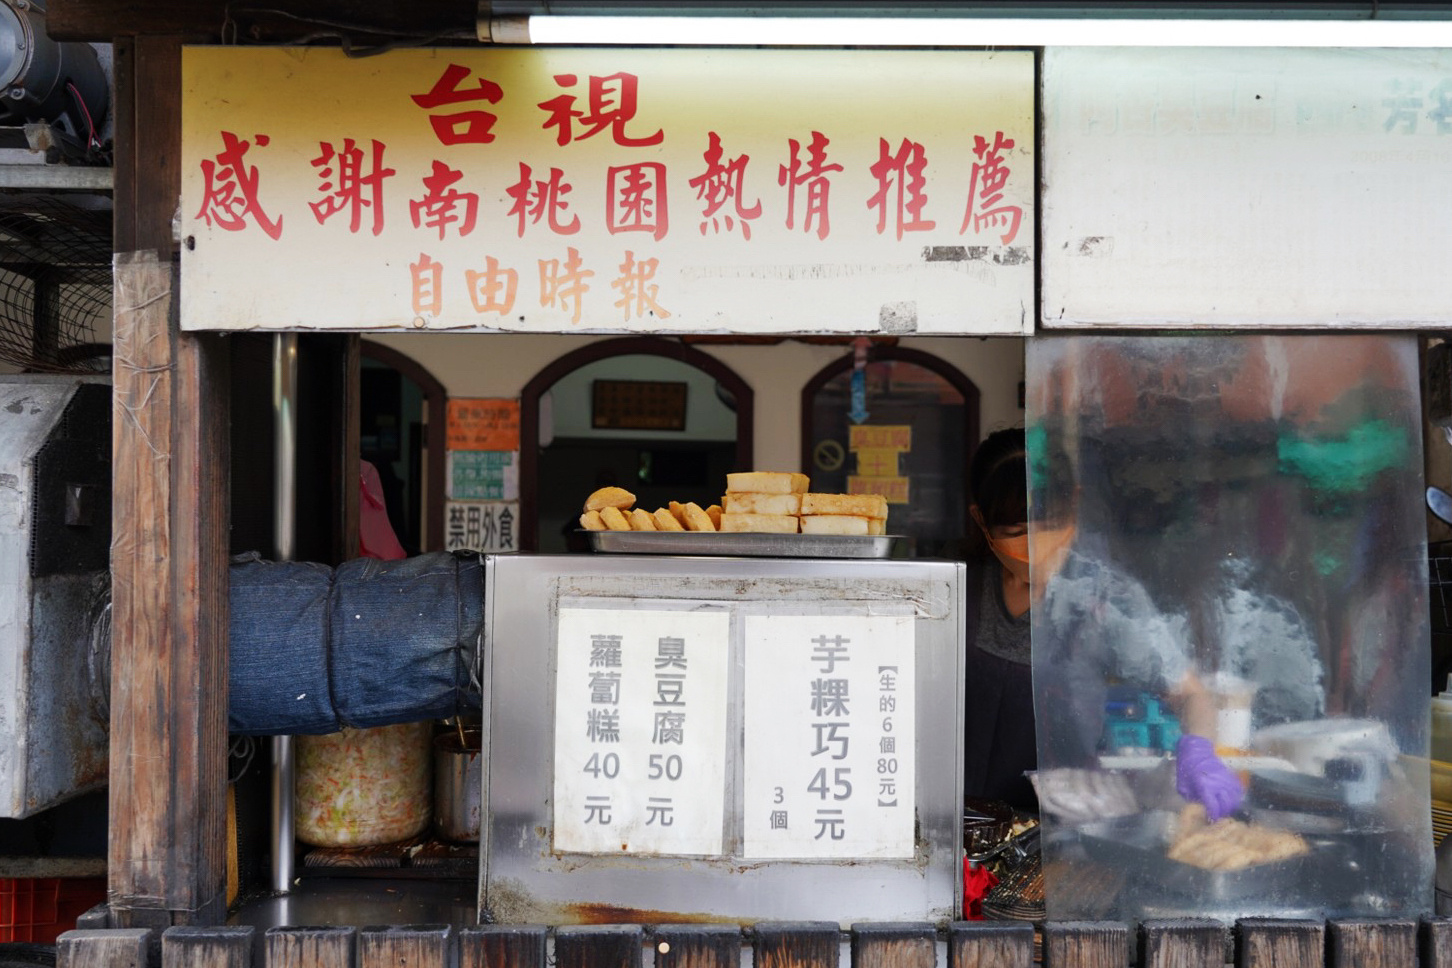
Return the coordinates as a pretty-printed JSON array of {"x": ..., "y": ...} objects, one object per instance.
[{"x": 55, "y": 281}]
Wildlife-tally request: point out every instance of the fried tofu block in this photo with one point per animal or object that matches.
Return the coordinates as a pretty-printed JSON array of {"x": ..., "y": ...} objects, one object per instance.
[
  {"x": 835, "y": 524},
  {"x": 610, "y": 497},
  {"x": 614, "y": 519},
  {"x": 696, "y": 519},
  {"x": 864, "y": 505},
  {"x": 755, "y": 502},
  {"x": 642, "y": 520},
  {"x": 767, "y": 523},
  {"x": 591, "y": 521},
  {"x": 767, "y": 482},
  {"x": 666, "y": 521},
  {"x": 877, "y": 526}
]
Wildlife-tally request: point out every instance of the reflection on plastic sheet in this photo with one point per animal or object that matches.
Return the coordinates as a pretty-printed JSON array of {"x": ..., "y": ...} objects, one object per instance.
[{"x": 1230, "y": 646}]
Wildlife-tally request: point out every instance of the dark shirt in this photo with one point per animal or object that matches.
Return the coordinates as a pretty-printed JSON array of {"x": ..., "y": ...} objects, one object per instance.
[{"x": 999, "y": 743}]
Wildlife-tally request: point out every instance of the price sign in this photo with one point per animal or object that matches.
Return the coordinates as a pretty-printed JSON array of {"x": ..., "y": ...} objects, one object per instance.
[
  {"x": 830, "y": 739},
  {"x": 640, "y": 731}
]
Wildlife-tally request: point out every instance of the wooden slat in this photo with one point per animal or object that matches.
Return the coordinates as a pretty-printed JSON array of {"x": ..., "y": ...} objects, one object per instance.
[
  {"x": 698, "y": 946},
  {"x": 1357, "y": 943},
  {"x": 111, "y": 948},
  {"x": 990, "y": 944},
  {"x": 167, "y": 858},
  {"x": 797, "y": 944},
  {"x": 186, "y": 947},
  {"x": 1277, "y": 943},
  {"x": 330, "y": 947},
  {"x": 414, "y": 946},
  {"x": 894, "y": 945},
  {"x": 604, "y": 946},
  {"x": 1086, "y": 944},
  {"x": 1182, "y": 943},
  {"x": 102, "y": 20},
  {"x": 503, "y": 946},
  {"x": 1436, "y": 943}
]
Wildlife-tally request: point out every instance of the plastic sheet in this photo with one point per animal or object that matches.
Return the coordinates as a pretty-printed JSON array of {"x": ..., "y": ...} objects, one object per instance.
[{"x": 1229, "y": 541}]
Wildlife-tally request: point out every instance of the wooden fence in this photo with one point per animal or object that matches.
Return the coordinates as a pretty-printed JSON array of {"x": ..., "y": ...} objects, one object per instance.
[{"x": 1185, "y": 943}]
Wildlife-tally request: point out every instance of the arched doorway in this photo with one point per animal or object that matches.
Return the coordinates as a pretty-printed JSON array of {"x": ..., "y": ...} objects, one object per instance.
[
  {"x": 402, "y": 427},
  {"x": 925, "y": 413},
  {"x": 582, "y": 468}
]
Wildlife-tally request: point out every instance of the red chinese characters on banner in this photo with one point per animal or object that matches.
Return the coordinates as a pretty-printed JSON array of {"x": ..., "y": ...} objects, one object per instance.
[
  {"x": 229, "y": 195},
  {"x": 345, "y": 184},
  {"x": 428, "y": 285},
  {"x": 461, "y": 127},
  {"x": 612, "y": 104},
  {"x": 562, "y": 285},
  {"x": 492, "y": 291},
  {"x": 635, "y": 199},
  {"x": 722, "y": 183},
  {"x": 535, "y": 200},
  {"x": 637, "y": 291},
  {"x": 442, "y": 205},
  {"x": 985, "y": 190},
  {"x": 900, "y": 184},
  {"x": 809, "y": 172}
]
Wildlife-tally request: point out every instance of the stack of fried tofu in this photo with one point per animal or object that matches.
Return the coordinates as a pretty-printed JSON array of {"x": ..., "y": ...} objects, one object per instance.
[{"x": 781, "y": 504}]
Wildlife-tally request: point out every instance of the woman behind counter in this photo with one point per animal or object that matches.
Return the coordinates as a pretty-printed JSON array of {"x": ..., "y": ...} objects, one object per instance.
[{"x": 1000, "y": 742}]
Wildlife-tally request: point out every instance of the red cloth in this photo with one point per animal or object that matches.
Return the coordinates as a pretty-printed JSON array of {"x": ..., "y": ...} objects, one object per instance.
[
  {"x": 977, "y": 882},
  {"x": 375, "y": 535}
]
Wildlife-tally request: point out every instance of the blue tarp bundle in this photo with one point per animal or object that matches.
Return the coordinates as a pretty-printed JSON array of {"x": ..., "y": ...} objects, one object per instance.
[{"x": 370, "y": 643}]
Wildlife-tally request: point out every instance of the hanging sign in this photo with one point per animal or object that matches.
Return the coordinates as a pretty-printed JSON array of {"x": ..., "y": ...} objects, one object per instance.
[
  {"x": 608, "y": 190},
  {"x": 485, "y": 526}
]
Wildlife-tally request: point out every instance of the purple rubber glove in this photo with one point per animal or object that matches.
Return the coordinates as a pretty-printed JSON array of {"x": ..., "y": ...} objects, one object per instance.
[{"x": 1200, "y": 776}]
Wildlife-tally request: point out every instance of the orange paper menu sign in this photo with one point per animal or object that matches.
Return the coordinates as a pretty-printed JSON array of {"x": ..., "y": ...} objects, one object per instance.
[{"x": 483, "y": 424}]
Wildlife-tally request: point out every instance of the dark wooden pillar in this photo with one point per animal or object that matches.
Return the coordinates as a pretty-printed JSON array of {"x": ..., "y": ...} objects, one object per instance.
[{"x": 167, "y": 862}]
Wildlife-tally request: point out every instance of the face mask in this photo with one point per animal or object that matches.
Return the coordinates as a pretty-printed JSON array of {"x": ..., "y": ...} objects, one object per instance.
[{"x": 1012, "y": 554}]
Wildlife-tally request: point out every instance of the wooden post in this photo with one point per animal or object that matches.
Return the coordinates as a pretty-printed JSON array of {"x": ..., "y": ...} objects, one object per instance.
[
  {"x": 1357, "y": 943},
  {"x": 207, "y": 947},
  {"x": 606, "y": 946},
  {"x": 890, "y": 945},
  {"x": 797, "y": 944},
  {"x": 109, "y": 948},
  {"x": 167, "y": 858},
  {"x": 1182, "y": 943},
  {"x": 990, "y": 944},
  {"x": 1086, "y": 944},
  {"x": 1277, "y": 943},
  {"x": 698, "y": 946},
  {"x": 419, "y": 946},
  {"x": 502, "y": 946},
  {"x": 310, "y": 947},
  {"x": 1436, "y": 943}
]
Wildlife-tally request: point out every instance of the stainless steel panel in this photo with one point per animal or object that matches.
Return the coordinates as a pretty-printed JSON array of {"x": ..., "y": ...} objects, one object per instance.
[{"x": 522, "y": 879}]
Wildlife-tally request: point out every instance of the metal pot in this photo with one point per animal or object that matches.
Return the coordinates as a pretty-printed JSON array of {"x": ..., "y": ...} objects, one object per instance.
[{"x": 458, "y": 765}]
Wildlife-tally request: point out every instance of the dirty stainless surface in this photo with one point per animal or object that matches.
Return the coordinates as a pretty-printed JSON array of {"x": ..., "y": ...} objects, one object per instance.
[
  {"x": 360, "y": 902},
  {"x": 522, "y": 879},
  {"x": 734, "y": 544},
  {"x": 55, "y": 743}
]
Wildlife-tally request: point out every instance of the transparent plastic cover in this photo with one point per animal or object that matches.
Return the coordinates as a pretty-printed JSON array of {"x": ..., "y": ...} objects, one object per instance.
[{"x": 1229, "y": 618}]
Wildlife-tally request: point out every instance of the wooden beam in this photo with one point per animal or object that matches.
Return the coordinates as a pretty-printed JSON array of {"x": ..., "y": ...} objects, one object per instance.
[
  {"x": 288, "y": 21},
  {"x": 167, "y": 858}
]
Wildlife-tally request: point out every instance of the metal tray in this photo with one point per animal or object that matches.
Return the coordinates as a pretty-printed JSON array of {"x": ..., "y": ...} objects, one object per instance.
[
  {"x": 742, "y": 544},
  {"x": 1138, "y": 844}
]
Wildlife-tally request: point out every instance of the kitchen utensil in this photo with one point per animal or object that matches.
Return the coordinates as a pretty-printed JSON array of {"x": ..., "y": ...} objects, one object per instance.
[
  {"x": 458, "y": 762},
  {"x": 1440, "y": 503}
]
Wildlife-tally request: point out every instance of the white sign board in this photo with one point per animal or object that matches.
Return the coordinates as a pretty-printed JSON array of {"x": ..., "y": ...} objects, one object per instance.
[
  {"x": 830, "y": 738},
  {"x": 1247, "y": 187},
  {"x": 608, "y": 190},
  {"x": 640, "y": 731},
  {"x": 491, "y": 527}
]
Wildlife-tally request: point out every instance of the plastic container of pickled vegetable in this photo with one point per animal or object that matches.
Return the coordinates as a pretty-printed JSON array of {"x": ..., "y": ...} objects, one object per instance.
[{"x": 362, "y": 787}]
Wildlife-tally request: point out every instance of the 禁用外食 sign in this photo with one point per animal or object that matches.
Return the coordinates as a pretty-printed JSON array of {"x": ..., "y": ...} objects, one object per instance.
[{"x": 608, "y": 190}]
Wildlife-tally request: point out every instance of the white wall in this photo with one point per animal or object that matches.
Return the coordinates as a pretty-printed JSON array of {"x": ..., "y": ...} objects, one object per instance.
[{"x": 495, "y": 365}]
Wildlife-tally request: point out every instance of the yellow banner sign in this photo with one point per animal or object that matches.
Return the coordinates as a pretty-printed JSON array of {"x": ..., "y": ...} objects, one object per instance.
[{"x": 603, "y": 190}]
